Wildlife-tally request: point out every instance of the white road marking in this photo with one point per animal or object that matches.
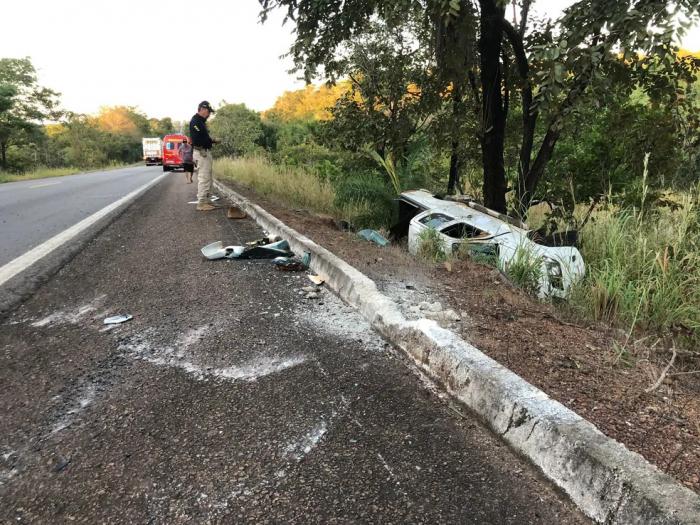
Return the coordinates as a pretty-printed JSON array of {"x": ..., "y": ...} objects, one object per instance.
[
  {"x": 43, "y": 185},
  {"x": 23, "y": 262}
]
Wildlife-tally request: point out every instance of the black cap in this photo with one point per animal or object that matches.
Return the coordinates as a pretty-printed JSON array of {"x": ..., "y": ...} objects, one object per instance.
[{"x": 204, "y": 104}]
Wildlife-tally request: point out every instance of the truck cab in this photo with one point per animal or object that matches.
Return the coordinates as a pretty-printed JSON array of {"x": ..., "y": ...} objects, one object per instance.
[{"x": 171, "y": 156}]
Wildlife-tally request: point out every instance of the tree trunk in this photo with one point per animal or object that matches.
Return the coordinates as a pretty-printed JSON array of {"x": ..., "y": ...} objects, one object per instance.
[
  {"x": 531, "y": 178},
  {"x": 453, "y": 181},
  {"x": 3, "y": 155},
  {"x": 493, "y": 115},
  {"x": 529, "y": 115},
  {"x": 457, "y": 115}
]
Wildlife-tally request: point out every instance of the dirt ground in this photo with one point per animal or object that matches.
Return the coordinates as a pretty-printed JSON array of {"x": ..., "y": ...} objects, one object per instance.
[{"x": 593, "y": 370}]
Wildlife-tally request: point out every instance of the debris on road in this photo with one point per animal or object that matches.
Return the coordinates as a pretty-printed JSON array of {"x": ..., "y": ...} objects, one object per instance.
[
  {"x": 289, "y": 264},
  {"x": 62, "y": 464},
  {"x": 293, "y": 264},
  {"x": 268, "y": 239},
  {"x": 316, "y": 279},
  {"x": 373, "y": 236},
  {"x": 118, "y": 319},
  {"x": 217, "y": 250},
  {"x": 235, "y": 213}
]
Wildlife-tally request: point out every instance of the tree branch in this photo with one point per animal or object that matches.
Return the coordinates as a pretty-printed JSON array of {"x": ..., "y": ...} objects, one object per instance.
[
  {"x": 529, "y": 116},
  {"x": 661, "y": 378}
]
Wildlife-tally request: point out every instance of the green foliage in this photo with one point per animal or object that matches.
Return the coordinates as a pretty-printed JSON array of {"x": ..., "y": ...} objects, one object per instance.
[
  {"x": 23, "y": 105},
  {"x": 525, "y": 270},
  {"x": 430, "y": 246},
  {"x": 46, "y": 173},
  {"x": 290, "y": 185},
  {"x": 644, "y": 268},
  {"x": 389, "y": 166},
  {"x": 407, "y": 172},
  {"x": 296, "y": 187},
  {"x": 471, "y": 67},
  {"x": 606, "y": 154},
  {"x": 28, "y": 145},
  {"x": 384, "y": 108},
  {"x": 369, "y": 189},
  {"x": 161, "y": 127},
  {"x": 239, "y": 129}
]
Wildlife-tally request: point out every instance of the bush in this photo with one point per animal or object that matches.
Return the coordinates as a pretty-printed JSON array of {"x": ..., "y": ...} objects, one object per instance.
[
  {"x": 644, "y": 268},
  {"x": 431, "y": 248},
  {"x": 368, "y": 194},
  {"x": 525, "y": 270}
]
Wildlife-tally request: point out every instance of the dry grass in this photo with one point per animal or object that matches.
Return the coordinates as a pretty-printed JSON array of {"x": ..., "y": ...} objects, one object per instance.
[
  {"x": 288, "y": 185},
  {"x": 643, "y": 269}
]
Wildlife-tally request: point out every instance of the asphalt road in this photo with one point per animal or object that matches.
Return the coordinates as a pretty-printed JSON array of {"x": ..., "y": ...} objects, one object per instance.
[
  {"x": 35, "y": 210},
  {"x": 228, "y": 398}
]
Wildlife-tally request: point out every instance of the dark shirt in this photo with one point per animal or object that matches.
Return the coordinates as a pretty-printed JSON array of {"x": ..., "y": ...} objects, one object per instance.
[
  {"x": 199, "y": 134},
  {"x": 185, "y": 151}
]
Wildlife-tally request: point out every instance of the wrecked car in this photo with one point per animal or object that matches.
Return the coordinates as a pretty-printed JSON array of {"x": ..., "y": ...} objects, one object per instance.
[{"x": 487, "y": 232}]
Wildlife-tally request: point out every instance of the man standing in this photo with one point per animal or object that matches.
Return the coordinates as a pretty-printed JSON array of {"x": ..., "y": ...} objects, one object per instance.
[{"x": 202, "y": 143}]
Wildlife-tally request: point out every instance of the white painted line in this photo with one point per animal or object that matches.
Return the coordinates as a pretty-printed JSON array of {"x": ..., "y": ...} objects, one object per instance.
[
  {"x": 23, "y": 262},
  {"x": 44, "y": 185}
]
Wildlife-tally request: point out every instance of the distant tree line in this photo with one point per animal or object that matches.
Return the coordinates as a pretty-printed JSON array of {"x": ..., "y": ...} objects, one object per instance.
[{"x": 35, "y": 131}]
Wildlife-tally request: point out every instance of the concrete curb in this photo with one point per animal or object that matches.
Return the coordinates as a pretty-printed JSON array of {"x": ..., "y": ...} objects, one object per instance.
[{"x": 607, "y": 481}]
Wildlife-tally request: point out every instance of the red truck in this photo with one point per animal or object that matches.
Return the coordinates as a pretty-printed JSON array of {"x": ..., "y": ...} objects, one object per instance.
[{"x": 171, "y": 156}]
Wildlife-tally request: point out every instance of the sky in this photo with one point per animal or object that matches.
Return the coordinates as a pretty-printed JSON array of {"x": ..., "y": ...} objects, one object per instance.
[{"x": 163, "y": 57}]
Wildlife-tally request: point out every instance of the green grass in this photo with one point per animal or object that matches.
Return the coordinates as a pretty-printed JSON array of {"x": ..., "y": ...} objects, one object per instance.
[
  {"x": 525, "y": 270},
  {"x": 292, "y": 186},
  {"x": 431, "y": 248},
  {"x": 643, "y": 269},
  {"x": 45, "y": 173}
]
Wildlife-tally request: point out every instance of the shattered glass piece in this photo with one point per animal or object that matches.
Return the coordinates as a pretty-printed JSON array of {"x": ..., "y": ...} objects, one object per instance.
[
  {"x": 279, "y": 245},
  {"x": 373, "y": 236}
]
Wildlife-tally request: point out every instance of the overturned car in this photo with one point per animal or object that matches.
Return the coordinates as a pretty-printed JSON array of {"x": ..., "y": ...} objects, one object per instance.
[{"x": 487, "y": 232}]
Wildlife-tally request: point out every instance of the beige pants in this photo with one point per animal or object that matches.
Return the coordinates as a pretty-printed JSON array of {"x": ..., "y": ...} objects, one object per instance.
[{"x": 202, "y": 163}]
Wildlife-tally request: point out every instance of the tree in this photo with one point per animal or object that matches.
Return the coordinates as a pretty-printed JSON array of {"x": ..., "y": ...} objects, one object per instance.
[
  {"x": 595, "y": 42},
  {"x": 239, "y": 129},
  {"x": 384, "y": 106},
  {"x": 123, "y": 120},
  {"x": 161, "y": 127},
  {"x": 23, "y": 104},
  {"x": 549, "y": 67},
  {"x": 310, "y": 103}
]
